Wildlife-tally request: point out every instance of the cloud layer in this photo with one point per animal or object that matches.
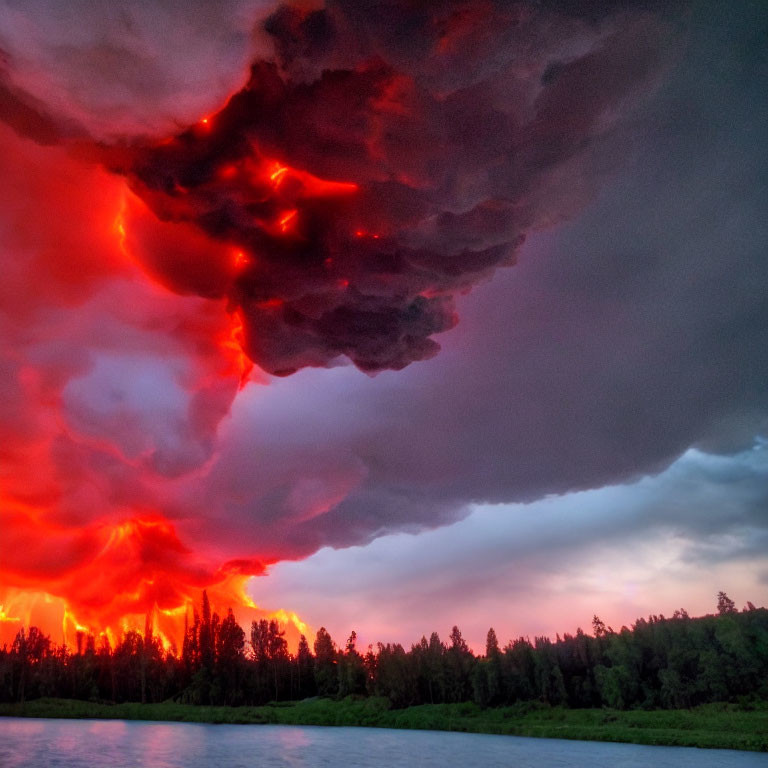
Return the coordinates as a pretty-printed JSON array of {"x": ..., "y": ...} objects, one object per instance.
[
  {"x": 622, "y": 551},
  {"x": 619, "y": 340},
  {"x": 386, "y": 159}
]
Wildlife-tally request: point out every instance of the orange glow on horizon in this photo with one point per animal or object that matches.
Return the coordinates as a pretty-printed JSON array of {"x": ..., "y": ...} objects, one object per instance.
[
  {"x": 61, "y": 623},
  {"x": 59, "y": 619},
  {"x": 111, "y": 577},
  {"x": 5, "y": 617}
]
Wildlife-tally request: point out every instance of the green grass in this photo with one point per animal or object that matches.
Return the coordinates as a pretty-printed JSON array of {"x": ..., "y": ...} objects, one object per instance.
[{"x": 722, "y": 726}]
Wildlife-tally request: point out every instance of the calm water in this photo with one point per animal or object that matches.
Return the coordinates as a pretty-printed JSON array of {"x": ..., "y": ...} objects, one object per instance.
[{"x": 38, "y": 743}]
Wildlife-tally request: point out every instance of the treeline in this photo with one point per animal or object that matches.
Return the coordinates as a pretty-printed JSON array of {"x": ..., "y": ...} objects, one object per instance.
[{"x": 659, "y": 663}]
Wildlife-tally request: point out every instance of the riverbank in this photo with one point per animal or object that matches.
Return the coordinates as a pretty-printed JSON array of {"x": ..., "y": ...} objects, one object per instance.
[{"x": 715, "y": 726}]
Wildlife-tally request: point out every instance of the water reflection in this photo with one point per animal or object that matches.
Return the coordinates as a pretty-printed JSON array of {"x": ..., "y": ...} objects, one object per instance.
[
  {"x": 30, "y": 743},
  {"x": 294, "y": 744}
]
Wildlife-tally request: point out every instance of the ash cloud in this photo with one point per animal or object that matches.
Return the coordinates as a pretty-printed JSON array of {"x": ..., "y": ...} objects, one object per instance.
[
  {"x": 619, "y": 341},
  {"x": 388, "y": 158}
]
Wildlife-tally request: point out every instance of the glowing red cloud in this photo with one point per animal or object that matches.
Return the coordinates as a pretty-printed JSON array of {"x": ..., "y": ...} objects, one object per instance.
[{"x": 83, "y": 466}]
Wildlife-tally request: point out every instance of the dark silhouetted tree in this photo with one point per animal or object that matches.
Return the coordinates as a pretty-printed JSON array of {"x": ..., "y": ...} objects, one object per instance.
[
  {"x": 673, "y": 663},
  {"x": 491, "y": 644},
  {"x": 305, "y": 665},
  {"x": 725, "y": 604},
  {"x": 230, "y": 658},
  {"x": 598, "y": 627},
  {"x": 351, "y": 669},
  {"x": 326, "y": 678}
]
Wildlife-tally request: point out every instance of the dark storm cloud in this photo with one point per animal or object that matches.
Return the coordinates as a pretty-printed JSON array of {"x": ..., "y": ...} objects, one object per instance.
[
  {"x": 618, "y": 341},
  {"x": 623, "y": 551},
  {"x": 392, "y": 156}
]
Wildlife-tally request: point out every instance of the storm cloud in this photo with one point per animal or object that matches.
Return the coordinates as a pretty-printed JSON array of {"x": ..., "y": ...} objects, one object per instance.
[
  {"x": 387, "y": 159},
  {"x": 613, "y": 151},
  {"x": 617, "y": 342}
]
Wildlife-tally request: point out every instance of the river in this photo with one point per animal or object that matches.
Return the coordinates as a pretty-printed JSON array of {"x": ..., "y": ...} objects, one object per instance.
[{"x": 42, "y": 743}]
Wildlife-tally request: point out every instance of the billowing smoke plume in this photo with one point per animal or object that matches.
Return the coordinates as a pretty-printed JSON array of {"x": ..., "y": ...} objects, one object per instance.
[
  {"x": 382, "y": 158},
  {"x": 390, "y": 156}
]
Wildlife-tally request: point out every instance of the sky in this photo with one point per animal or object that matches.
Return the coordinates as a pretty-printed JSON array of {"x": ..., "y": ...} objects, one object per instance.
[{"x": 386, "y": 317}]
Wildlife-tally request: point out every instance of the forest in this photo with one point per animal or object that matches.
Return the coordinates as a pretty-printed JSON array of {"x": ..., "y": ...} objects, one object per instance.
[{"x": 657, "y": 663}]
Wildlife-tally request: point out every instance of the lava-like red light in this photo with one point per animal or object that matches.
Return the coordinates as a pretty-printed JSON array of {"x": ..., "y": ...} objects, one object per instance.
[{"x": 288, "y": 220}]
